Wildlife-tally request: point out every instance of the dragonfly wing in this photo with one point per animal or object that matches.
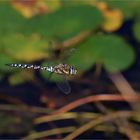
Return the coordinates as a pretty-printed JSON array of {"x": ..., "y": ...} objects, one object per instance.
[
  {"x": 64, "y": 85},
  {"x": 69, "y": 53}
]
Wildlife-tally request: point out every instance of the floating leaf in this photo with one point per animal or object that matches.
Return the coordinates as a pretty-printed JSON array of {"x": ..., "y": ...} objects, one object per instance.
[
  {"x": 26, "y": 48},
  {"x": 15, "y": 79},
  {"x": 31, "y": 8},
  {"x": 53, "y": 5},
  {"x": 111, "y": 51},
  {"x": 26, "y": 8},
  {"x": 136, "y": 29},
  {"x": 65, "y": 22},
  {"x": 129, "y": 8},
  {"x": 113, "y": 20},
  {"x": 11, "y": 20},
  {"x": 21, "y": 77},
  {"x": 82, "y": 59},
  {"x": 5, "y": 59}
]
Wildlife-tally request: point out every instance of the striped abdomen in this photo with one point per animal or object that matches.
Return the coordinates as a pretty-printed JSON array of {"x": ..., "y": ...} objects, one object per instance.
[
  {"x": 59, "y": 69},
  {"x": 30, "y": 66}
]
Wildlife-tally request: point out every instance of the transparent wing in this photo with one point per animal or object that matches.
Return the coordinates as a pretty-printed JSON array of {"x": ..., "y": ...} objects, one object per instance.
[
  {"x": 64, "y": 85},
  {"x": 69, "y": 53}
]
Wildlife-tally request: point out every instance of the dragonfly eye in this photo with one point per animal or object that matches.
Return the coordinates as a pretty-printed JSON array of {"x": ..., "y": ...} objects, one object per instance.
[{"x": 71, "y": 70}]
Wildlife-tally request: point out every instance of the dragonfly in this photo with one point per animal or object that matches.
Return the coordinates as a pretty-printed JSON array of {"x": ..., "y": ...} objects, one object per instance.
[{"x": 61, "y": 69}]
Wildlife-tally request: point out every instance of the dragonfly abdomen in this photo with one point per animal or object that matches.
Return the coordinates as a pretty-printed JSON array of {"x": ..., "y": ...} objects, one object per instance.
[{"x": 30, "y": 66}]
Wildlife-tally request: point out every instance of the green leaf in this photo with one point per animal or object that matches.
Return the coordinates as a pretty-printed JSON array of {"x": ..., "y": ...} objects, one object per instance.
[
  {"x": 53, "y": 5},
  {"x": 118, "y": 56},
  {"x": 65, "y": 22},
  {"x": 82, "y": 59},
  {"x": 10, "y": 19},
  {"x": 5, "y": 59},
  {"x": 29, "y": 48},
  {"x": 129, "y": 8},
  {"x": 15, "y": 79},
  {"x": 21, "y": 77},
  {"x": 136, "y": 29},
  {"x": 114, "y": 54}
]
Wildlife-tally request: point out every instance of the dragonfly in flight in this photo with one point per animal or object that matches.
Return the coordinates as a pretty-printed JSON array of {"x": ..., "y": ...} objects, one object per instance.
[{"x": 61, "y": 69}]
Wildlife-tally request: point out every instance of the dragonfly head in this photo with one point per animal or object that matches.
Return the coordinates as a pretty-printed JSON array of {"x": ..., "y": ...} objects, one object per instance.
[{"x": 73, "y": 71}]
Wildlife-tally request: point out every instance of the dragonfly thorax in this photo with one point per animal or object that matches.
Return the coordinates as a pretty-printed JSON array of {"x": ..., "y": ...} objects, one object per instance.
[{"x": 64, "y": 69}]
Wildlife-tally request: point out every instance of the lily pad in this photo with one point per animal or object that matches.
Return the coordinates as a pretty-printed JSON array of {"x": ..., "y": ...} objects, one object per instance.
[
  {"x": 136, "y": 29},
  {"x": 29, "y": 48},
  {"x": 21, "y": 77},
  {"x": 11, "y": 20},
  {"x": 52, "y": 5},
  {"x": 5, "y": 59},
  {"x": 129, "y": 8},
  {"x": 65, "y": 22},
  {"x": 110, "y": 50}
]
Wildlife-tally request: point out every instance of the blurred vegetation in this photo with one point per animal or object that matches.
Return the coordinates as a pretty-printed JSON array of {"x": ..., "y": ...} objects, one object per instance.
[
  {"x": 27, "y": 27},
  {"x": 88, "y": 26}
]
